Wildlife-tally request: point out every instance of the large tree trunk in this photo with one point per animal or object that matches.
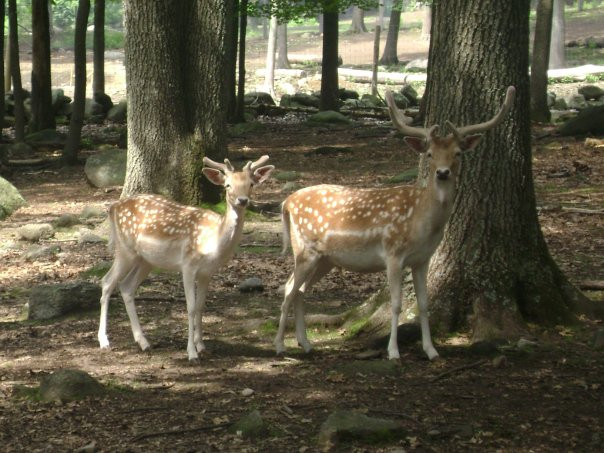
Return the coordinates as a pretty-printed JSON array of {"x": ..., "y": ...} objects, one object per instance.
[
  {"x": 98, "y": 48},
  {"x": 329, "y": 65},
  {"x": 271, "y": 47},
  {"x": 16, "y": 72},
  {"x": 390, "y": 55},
  {"x": 357, "y": 24},
  {"x": 174, "y": 71},
  {"x": 543, "y": 28},
  {"x": 42, "y": 115},
  {"x": 70, "y": 152},
  {"x": 282, "y": 61},
  {"x": 493, "y": 271},
  {"x": 240, "y": 114},
  {"x": 557, "y": 57},
  {"x": 230, "y": 67}
]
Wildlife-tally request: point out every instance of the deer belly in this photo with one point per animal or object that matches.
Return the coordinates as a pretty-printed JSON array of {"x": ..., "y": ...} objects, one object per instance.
[
  {"x": 160, "y": 253},
  {"x": 358, "y": 260}
]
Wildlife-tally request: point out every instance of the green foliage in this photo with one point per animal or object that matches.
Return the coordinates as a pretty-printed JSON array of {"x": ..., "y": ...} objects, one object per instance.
[{"x": 286, "y": 10}]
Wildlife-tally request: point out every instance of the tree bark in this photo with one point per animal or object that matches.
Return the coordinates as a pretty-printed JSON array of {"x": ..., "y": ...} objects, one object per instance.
[
  {"x": 282, "y": 61},
  {"x": 42, "y": 114},
  {"x": 357, "y": 24},
  {"x": 7, "y": 70},
  {"x": 2, "y": 44},
  {"x": 543, "y": 28},
  {"x": 426, "y": 23},
  {"x": 230, "y": 68},
  {"x": 390, "y": 55},
  {"x": 269, "y": 76},
  {"x": 72, "y": 145},
  {"x": 98, "y": 48},
  {"x": 174, "y": 69},
  {"x": 329, "y": 65},
  {"x": 240, "y": 116},
  {"x": 492, "y": 272},
  {"x": 557, "y": 57},
  {"x": 16, "y": 72}
]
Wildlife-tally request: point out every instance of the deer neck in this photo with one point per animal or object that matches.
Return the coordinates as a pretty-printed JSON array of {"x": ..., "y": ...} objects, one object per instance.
[
  {"x": 440, "y": 196},
  {"x": 231, "y": 227}
]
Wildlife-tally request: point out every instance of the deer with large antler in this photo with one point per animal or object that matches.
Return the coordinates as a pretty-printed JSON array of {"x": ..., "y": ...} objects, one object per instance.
[
  {"x": 371, "y": 230},
  {"x": 150, "y": 231}
]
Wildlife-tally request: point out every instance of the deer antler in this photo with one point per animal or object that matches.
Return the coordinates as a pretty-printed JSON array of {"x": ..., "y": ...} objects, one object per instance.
[
  {"x": 402, "y": 122},
  {"x": 461, "y": 132},
  {"x": 251, "y": 166},
  {"x": 226, "y": 167}
]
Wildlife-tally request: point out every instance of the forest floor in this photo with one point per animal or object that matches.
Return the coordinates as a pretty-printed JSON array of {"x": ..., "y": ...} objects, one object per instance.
[{"x": 545, "y": 399}]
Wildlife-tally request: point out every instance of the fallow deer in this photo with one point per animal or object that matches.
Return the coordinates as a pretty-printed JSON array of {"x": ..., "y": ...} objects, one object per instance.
[
  {"x": 376, "y": 229},
  {"x": 151, "y": 231}
]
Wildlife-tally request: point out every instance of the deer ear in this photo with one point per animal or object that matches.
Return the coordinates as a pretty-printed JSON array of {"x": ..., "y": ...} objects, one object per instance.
[
  {"x": 215, "y": 176},
  {"x": 262, "y": 174},
  {"x": 470, "y": 142},
  {"x": 416, "y": 143}
]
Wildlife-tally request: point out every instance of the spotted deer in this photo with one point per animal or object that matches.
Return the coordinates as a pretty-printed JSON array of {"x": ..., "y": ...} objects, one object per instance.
[
  {"x": 376, "y": 229},
  {"x": 150, "y": 231}
]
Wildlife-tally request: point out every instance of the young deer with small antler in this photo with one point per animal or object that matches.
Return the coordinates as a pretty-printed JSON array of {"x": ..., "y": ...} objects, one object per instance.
[
  {"x": 371, "y": 230},
  {"x": 150, "y": 231}
]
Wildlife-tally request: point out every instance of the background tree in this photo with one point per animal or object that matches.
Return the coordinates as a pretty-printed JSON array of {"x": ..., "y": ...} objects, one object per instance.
[
  {"x": 42, "y": 114},
  {"x": 493, "y": 270},
  {"x": 426, "y": 22},
  {"x": 271, "y": 47},
  {"x": 357, "y": 24},
  {"x": 239, "y": 116},
  {"x": 174, "y": 72},
  {"x": 72, "y": 145},
  {"x": 329, "y": 60},
  {"x": 231, "y": 36},
  {"x": 2, "y": 90},
  {"x": 390, "y": 55},
  {"x": 282, "y": 60},
  {"x": 540, "y": 61},
  {"x": 98, "y": 48},
  {"x": 16, "y": 71},
  {"x": 557, "y": 57}
]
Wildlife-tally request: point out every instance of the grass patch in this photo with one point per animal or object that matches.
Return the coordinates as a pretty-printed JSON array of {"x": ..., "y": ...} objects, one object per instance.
[
  {"x": 98, "y": 270},
  {"x": 268, "y": 328}
]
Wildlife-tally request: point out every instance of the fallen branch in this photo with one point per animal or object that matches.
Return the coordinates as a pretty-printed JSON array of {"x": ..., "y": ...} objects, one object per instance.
[
  {"x": 172, "y": 432},
  {"x": 458, "y": 369},
  {"x": 583, "y": 210},
  {"x": 592, "y": 285}
]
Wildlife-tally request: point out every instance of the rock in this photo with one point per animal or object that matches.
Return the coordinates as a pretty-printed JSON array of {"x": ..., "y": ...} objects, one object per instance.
[
  {"x": 103, "y": 100},
  {"x": 406, "y": 176},
  {"x": 290, "y": 187},
  {"x": 500, "y": 361},
  {"x": 598, "y": 339},
  {"x": 419, "y": 65},
  {"x": 51, "y": 301},
  {"x": 92, "y": 108},
  {"x": 306, "y": 100},
  {"x": 286, "y": 176},
  {"x": 559, "y": 104},
  {"x": 69, "y": 385},
  {"x": 119, "y": 112},
  {"x": 107, "y": 168},
  {"x": 257, "y": 98},
  {"x": 345, "y": 425},
  {"x": 484, "y": 348},
  {"x": 59, "y": 100},
  {"x": 47, "y": 137},
  {"x": 88, "y": 237},
  {"x": 372, "y": 101},
  {"x": 410, "y": 94},
  {"x": 551, "y": 98},
  {"x": 253, "y": 284},
  {"x": 66, "y": 221},
  {"x": 526, "y": 345},
  {"x": 329, "y": 117},
  {"x": 10, "y": 199},
  {"x": 588, "y": 121},
  {"x": 250, "y": 425},
  {"x": 344, "y": 94},
  {"x": 401, "y": 101},
  {"x": 591, "y": 92},
  {"x": 37, "y": 252},
  {"x": 33, "y": 232},
  {"x": 247, "y": 392},
  {"x": 576, "y": 101},
  {"x": 93, "y": 211}
]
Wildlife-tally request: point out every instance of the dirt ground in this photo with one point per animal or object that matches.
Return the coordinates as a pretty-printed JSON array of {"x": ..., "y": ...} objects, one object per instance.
[{"x": 545, "y": 399}]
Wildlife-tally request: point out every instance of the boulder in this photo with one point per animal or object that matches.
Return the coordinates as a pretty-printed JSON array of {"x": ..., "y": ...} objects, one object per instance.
[
  {"x": 346, "y": 425},
  {"x": 47, "y": 137},
  {"x": 53, "y": 300},
  {"x": 419, "y": 65},
  {"x": 372, "y": 101},
  {"x": 253, "y": 284},
  {"x": 10, "y": 199},
  {"x": 409, "y": 92},
  {"x": 302, "y": 100},
  {"x": 588, "y": 121},
  {"x": 118, "y": 113},
  {"x": 59, "y": 101},
  {"x": 250, "y": 425},
  {"x": 93, "y": 211},
  {"x": 33, "y": 232},
  {"x": 591, "y": 92},
  {"x": 69, "y": 385},
  {"x": 107, "y": 168},
  {"x": 328, "y": 117},
  {"x": 93, "y": 109},
  {"x": 66, "y": 221},
  {"x": 344, "y": 94},
  {"x": 37, "y": 252},
  {"x": 559, "y": 104},
  {"x": 103, "y": 100},
  {"x": 551, "y": 98},
  {"x": 576, "y": 101},
  {"x": 258, "y": 97}
]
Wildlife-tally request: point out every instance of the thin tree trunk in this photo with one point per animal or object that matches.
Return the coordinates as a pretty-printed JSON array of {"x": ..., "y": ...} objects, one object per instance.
[
  {"x": 390, "y": 56},
  {"x": 2, "y": 74},
  {"x": 230, "y": 69},
  {"x": 329, "y": 64},
  {"x": 7, "y": 68},
  {"x": 282, "y": 61},
  {"x": 376, "y": 54},
  {"x": 543, "y": 28},
  {"x": 42, "y": 114},
  {"x": 357, "y": 24},
  {"x": 426, "y": 23},
  {"x": 16, "y": 72},
  {"x": 240, "y": 116},
  {"x": 98, "y": 77},
  {"x": 72, "y": 146},
  {"x": 557, "y": 58},
  {"x": 269, "y": 76}
]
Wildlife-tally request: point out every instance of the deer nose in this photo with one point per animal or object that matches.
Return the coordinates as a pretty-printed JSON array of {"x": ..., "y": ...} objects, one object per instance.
[
  {"x": 242, "y": 201},
  {"x": 443, "y": 173}
]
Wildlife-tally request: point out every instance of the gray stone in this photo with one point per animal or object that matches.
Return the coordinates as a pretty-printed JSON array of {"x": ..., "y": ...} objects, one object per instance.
[
  {"x": 51, "y": 301},
  {"x": 93, "y": 211},
  {"x": 119, "y": 112},
  {"x": 345, "y": 425},
  {"x": 551, "y": 99},
  {"x": 588, "y": 121},
  {"x": 526, "y": 345},
  {"x": 409, "y": 92},
  {"x": 252, "y": 284},
  {"x": 59, "y": 100},
  {"x": 258, "y": 97},
  {"x": 591, "y": 92},
  {"x": 18, "y": 150},
  {"x": 560, "y": 104},
  {"x": 47, "y": 137},
  {"x": 66, "y": 221},
  {"x": 36, "y": 252},
  {"x": 406, "y": 176},
  {"x": 107, "y": 168},
  {"x": 250, "y": 425},
  {"x": 329, "y": 116},
  {"x": 88, "y": 237},
  {"x": 419, "y": 65},
  {"x": 576, "y": 101},
  {"x": 69, "y": 385},
  {"x": 92, "y": 108},
  {"x": 300, "y": 100},
  {"x": 10, "y": 199},
  {"x": 286, "y": 175},
  {"x": 33, "y": 232},
  {"x": 344, "y": 94},
  {"x": 372, "y": 101},
  {"x": 290, "y": 187}
]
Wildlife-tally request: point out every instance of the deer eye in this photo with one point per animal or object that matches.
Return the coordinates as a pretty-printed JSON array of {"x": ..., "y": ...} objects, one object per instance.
[
  {"x": 429, "y": 154},
  {"x": 227, "y": 186},
  {"x": 458, "y": 154}
]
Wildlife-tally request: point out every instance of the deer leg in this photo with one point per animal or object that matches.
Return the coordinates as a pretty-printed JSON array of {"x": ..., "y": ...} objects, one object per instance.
[
  {"x": 420, "y": 275},
  {"x": 128, "y": 287},
  {"x": 202, "y": 290},
  {"x": 188, "y": 280},
  {"x": 395, "y": 275},
  {"x": 302, "y": 271},
  {"x": 122, "y": 264}
]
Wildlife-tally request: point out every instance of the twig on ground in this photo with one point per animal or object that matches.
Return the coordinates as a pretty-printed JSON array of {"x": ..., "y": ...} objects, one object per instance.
[
  {"x": 179, "y": 431},
  {"x": 457, "y": 369}
]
